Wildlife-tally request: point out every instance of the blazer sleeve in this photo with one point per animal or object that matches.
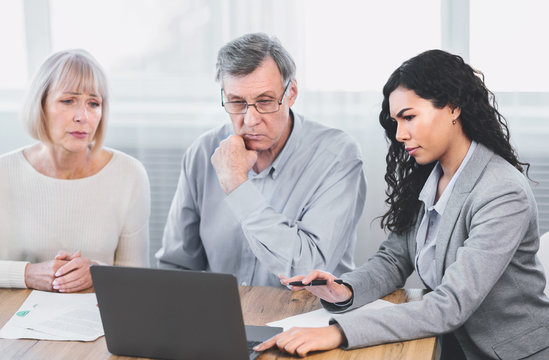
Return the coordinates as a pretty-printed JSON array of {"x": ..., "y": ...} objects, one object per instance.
[
  {"x": 495, "y": 219},
  {"x": 382, "y": 274}
]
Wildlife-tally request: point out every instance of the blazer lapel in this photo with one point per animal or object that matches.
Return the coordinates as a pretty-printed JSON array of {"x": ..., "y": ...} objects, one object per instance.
[{"x": 464, "y": 185}]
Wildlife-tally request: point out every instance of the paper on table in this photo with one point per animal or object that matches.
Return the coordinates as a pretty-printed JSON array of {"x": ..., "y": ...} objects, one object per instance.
[
  {"x": 54, "y": 316},
  {"x": 321, "y": 317}
]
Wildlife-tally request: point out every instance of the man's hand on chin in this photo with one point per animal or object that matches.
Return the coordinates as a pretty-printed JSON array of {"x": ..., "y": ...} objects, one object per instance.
[{"x": 232, "y": 162}]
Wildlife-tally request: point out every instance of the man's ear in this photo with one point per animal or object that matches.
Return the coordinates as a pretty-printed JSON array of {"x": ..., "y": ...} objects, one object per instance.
[{"x": 292, "y": 93}]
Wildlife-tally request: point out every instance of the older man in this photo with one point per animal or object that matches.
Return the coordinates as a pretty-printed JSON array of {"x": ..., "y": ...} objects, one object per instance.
[{"x": 271, "y": 193}]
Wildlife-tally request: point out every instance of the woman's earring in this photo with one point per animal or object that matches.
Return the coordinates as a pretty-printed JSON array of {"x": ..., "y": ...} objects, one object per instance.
[{"x": 454, "y": 122}]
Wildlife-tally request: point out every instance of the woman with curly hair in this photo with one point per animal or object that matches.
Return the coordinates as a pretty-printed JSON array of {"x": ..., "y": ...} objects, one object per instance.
[{"x": 461, "y": 213}]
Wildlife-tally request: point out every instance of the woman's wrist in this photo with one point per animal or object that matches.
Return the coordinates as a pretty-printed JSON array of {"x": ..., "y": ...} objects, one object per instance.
[
  {"x": 28, "y": 275},
  {"x": 339, "y": 334},
  {"x": 348, "y": 297}
]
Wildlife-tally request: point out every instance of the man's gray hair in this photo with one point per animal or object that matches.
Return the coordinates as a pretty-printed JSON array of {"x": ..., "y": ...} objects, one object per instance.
[{"x": 243, "y": 55}]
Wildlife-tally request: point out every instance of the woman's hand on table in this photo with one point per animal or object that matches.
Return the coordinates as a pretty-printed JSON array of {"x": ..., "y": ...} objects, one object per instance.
[
  {"x": 74, "y": 275},
  {"x": 40, "y": 276},
  {"x": 301, "y": 341}
]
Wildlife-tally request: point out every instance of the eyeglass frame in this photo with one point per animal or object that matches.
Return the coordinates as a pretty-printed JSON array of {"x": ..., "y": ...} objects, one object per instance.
[{"x": 254, "y": 104}]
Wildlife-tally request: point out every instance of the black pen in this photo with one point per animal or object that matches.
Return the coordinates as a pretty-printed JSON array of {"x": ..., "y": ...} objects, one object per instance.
[{"x": 314, "y": 282}]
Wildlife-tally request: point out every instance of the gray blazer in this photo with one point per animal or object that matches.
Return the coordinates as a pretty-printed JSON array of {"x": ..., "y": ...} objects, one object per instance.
[{"x": 490, "y": 282}]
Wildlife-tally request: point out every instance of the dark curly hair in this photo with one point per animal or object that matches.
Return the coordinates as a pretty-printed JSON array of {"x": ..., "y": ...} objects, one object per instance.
[{"x": 444, "y": 79}]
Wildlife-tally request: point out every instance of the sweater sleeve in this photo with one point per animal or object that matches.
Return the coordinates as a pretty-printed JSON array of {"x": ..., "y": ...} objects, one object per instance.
[
  {"x": 133, "y": 243},
  {"x": 12, "y": 274}
]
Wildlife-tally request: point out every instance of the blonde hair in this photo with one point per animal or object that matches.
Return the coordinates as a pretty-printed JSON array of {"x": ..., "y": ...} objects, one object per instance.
[{"x": 73, "y": 70}]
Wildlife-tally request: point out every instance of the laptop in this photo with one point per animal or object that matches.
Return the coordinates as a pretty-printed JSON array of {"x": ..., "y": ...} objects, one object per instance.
[{"x": 174, "y": 314}]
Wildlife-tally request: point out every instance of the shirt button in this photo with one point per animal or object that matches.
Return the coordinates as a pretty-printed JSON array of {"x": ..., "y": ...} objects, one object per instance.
[{"x": 244, "y": 283}]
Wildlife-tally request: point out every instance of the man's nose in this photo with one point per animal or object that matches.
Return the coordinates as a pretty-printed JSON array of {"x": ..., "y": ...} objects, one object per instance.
[{"x": 252, "y": 117}]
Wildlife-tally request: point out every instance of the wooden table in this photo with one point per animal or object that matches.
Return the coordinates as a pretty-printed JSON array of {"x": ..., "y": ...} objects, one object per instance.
[{"x": 260, "y": 305}]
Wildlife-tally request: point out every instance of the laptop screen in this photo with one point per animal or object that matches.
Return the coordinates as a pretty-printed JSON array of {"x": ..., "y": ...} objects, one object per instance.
[{"x": 171, "y": 314}]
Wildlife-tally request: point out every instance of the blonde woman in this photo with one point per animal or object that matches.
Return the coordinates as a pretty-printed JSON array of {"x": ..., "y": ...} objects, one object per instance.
[{"x": 68, "y": 202}]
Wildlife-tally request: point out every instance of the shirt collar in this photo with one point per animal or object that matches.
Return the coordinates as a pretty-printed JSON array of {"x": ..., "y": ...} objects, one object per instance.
[
  {"x": 428, "y": 193},
  {"x": 429, "y": 190}
]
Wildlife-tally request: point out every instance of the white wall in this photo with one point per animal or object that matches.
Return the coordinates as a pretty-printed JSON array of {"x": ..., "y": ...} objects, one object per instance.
[{"x": 164, "y": 95}]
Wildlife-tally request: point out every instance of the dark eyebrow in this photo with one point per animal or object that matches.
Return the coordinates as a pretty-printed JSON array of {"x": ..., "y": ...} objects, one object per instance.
[{"x": 401, "y": 111}]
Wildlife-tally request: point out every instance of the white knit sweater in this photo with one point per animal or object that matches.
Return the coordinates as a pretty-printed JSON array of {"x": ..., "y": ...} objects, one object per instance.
[{"x": 105, "y": 215}]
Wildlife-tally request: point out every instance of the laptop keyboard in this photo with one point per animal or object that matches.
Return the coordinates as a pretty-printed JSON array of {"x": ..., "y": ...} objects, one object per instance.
[{"x": 253, "y": 354}]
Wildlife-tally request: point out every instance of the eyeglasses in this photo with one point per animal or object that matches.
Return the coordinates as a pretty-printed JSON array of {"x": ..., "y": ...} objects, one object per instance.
[{"x": 261, "y": 106}]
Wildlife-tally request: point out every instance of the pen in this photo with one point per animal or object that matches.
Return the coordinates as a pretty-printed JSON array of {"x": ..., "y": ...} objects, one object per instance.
[{"x": 314, "y": 282}]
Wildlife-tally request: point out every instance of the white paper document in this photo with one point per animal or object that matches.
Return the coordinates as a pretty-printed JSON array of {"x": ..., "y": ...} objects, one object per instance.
[
  {"x": 54, "y": 316},
  {"x": 321, "y": 317}
]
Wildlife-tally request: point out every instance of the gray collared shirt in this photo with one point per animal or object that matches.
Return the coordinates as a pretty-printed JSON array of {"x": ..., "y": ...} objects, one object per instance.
[
  {"x": 297, "y": 215},
  {"x": 428, "y": 229}
]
